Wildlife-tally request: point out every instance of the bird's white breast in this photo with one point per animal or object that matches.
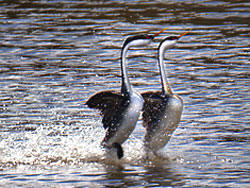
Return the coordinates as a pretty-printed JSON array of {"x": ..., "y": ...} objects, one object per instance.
[{"x": 130, "y": 118}]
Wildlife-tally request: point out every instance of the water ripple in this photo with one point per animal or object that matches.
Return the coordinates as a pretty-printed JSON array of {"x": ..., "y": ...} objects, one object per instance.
[{"x": 55, "y": 54}]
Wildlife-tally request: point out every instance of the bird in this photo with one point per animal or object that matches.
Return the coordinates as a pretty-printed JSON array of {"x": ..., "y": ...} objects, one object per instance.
[
  {"x": 162, "y": 110},
  {"x": 120, "y": 109}
]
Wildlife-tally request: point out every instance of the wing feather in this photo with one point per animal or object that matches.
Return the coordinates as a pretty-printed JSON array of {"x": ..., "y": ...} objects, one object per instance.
[
  {"x": 111, "y": 105},
  {"x": 154, "y": 106}
]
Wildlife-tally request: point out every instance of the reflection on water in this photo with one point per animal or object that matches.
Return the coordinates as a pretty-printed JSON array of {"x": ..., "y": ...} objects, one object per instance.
[{"x": 55, "y": 54}]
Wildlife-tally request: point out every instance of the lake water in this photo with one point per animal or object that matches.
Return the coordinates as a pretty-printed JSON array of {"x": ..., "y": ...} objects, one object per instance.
[{"x": 55, "y": 54}]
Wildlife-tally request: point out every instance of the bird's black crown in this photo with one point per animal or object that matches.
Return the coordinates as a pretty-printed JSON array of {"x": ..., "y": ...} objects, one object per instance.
[{"x": 137, "y": 37}]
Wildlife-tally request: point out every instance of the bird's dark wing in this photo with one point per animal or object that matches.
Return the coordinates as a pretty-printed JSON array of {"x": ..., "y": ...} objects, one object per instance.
[
  {"x": 153, "y": 109},
  {"x": 111, "y": 105}
]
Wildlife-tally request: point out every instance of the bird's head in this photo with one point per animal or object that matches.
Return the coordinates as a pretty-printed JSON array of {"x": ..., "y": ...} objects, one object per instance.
[
  {"x": 170, "y": 41},
  {"x": 140, "y": 40}
]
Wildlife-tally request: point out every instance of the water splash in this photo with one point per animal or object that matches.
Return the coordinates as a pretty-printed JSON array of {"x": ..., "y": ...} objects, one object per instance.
[{"x": 52, "y": 146}]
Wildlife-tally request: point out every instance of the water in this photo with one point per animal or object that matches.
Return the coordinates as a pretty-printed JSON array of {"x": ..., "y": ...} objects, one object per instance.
[{"x": 55, "y": 54}]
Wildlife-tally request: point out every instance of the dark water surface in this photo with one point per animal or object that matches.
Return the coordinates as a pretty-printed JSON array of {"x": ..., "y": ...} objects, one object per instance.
[{"x": 55, "y": 54}]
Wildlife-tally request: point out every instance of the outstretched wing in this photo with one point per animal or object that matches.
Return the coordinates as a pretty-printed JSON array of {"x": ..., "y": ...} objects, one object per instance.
[
  {"x": 111, "y": 105},
  {"x": 154, "y": 106}
]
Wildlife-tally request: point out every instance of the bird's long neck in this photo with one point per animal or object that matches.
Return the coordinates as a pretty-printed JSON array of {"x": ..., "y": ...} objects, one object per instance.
[
  {"x": 166, "y": 88},
  {"x": 126, "y": 86}
]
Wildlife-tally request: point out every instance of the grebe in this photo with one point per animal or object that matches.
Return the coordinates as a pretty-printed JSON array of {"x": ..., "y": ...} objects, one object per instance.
[
  {"x": 162, "y": 109},
  {"x": 120, "y": 110}
]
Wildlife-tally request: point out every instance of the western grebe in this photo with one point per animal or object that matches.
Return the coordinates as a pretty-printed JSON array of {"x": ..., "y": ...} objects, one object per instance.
[
  {"x": 162, "y": 109},
  {"x": 120, "y": 110}
]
